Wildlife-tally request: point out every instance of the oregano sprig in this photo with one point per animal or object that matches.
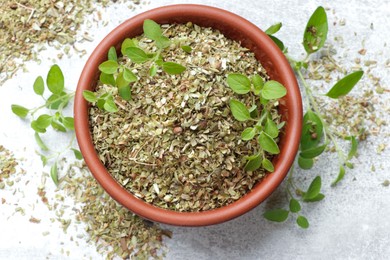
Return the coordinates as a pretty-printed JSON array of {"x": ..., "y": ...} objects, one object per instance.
[
  {"x": 265, "y": 130},
  {"x": 54, "y": 117},
  {"x": 316, "y": 133},
  {"x": 115, "y": 74}
]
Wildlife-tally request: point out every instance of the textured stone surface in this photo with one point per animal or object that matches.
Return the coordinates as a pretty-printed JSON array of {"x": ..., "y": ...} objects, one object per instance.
[{"x": 351, "y": 223}]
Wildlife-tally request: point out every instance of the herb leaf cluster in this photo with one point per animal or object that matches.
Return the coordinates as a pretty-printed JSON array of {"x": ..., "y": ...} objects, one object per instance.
[
  {"x": 115, "y": 74},
  {"x": 265, "y": 130}
]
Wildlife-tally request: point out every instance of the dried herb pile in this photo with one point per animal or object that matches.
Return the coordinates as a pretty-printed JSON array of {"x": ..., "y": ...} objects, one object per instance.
[
  {"x": 26, "y": 23},
  {"x": 8, "y": 167},
  {"x": 176, "y": 144}
]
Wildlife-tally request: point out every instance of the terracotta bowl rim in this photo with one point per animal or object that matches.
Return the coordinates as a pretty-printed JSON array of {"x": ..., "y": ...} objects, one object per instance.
[{"x": 260, "y": 192}]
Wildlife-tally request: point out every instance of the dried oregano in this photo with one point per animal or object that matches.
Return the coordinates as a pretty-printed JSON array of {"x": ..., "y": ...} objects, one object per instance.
[{"x": 175, "y": 143}]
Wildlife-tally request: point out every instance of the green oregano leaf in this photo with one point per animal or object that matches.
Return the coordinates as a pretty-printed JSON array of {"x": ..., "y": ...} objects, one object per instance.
[
  {"x": 107, "y": 79},
  {"x": 55, "y": 80},
  {"x": 278, "y": 42},
  {"x": 54, "y": 173},
  {"x": 186, "y": 48},
  {"x": 340, "y": 176},
  {"x": 109, "y": 105},
  {"x": 90, "y": 96},
  {"x": 136, "y": 55},
  {"x": 55, "y": 100},
  {"x": 239, "y": 83},
  {"x": 153, "y": 70},
  {"x": 273, "y": 28},
  {"x": 57, "y": 126},
  {"x": 319, "y": 197},
  {"x": 68, "y": 122},
  {"x": 258, "y": 83},
  {"x": 354, "y": 147},
  {"x": 36, "y": 128},
  {"x": 40, "y": 143},
  {"x": 268, "y": 144},
  {"x": 43, "y": 121},
  {"x": 273, "y": 90},
  {"x": 314, "y": 188},
  {"x": 163, "y": 42},
  {"x": 254, "y": 163},
  {"x": 302, "y": 222},
  {"x": 112, "y": 54},
  {"x": 248, "y": 133},
  {"x": 172, "y": 68},
  {"x": 19, "y": 111},
  {"x": 126, "y": 44},
  {"x": 294, "y": 205},
  {"x": 267, "y": 164},
  {"x": 316, "y": 31},
  {"x": 271, "y": 128},
  {"x": 125, "y": 92},
  {"x": 305, "y": 163},
  {"x": 312, "y": 130},
  {"x": 276, "y": 215},
  {"x": 152, "y": 30},
  {"x": 77, "y": 154},
  {"x": 345, "y": 85},
  {"x": 109, "y": 67},
  {"x": 129, "y": 76},
  {"x": 100, "y": 103},
  {"x": 239, "y": 110},
  {"x": 39, "y": 86},
  {"x": 313, "y": 152}
]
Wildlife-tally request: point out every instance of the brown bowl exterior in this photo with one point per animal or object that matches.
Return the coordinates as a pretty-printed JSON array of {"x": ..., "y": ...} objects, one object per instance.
[{"x": 236, "y": 28}]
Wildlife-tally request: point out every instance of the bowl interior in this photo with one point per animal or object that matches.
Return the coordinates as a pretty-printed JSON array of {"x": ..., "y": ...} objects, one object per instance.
[{"x": 233, "y": 27}]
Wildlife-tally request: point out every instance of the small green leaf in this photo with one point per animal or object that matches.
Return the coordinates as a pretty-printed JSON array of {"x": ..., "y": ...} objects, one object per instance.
[
  {"x": 295, "y": 206},
  {"x": 267, "y": 164},
  {"x": 54, "y": 173},
  {"x": 345, "y": 85},
  {"x": 39, "y": 86},
  {"x": 100, "y": 103},
  {"x": 163, "y": 42},
  {"x": 312, "y": 130},
  {"x": 126, "y": 44},
  {"x": 57, "y": 126},
  {"x": 273, "y": 29},
  {"x": 276, "y": 215},
  {"x": 258, "y": 83},
  {"x": 302, "y": 222},
  {"x": 55, "y": 80},
  {"x": 43, "y": 121},
  {"x": 56, "y": 100},
  {"x": 90, "y": 96},
  {"x": 305, "y": 163},
  {"x": 121, "y": 81},
  {"x": 112, "y": 54},
  {"x": 316, "y": 31},
  {"x": 36, "y": 128},
  {"x": 153, "y": 70},
  {"x": 319, "y": 197},
  {"x": 129, "y": 76},
  {"x": 40, "y": 143},
  {"x": 186, "y": 48},
  {"x": 107, "y": 79},
  {"x": 77, "y": 154},
  {"x": 125, "y": 92},
  {"x": 109, "y": 105},
  {"x": 254, "y": 163},
  {"x": 109, "y": 67},
  {"x": 313, "y": 152},
  {"x": 19, "y": 111},
  {"x": 278, "y": 42},
  {"x": 314, "y": 189},
  {"x": 159, "y": 61},
  {"x": 239, "y": 110},
  {"x": 240, "y": 84},
  {"x": 68, "y": 122},
  {"x": 340, "y": 176},
  {"x": 354, "y": 147},
  {"x": 271, "y": 128},
  {"x": 136, "y": 55},
  {"x": 273, "y": 90},
  {"x": 44, "y": 160},
  {"x": 152, "y": 30},
  {"x": 173, "y": 68},
  {"x": 268, "y": 144},
  {"x": 248, "y": 133}
]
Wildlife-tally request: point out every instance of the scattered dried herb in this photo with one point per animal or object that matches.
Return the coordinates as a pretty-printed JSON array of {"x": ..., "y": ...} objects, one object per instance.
[
  {"x": 175, "y": 143},
  {"x": 8, "y": 167}
]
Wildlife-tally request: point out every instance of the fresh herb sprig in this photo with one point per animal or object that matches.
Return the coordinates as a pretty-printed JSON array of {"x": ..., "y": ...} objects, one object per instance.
[
  {"x": 316, "y": 133},
  {"x": 265, "y": 130},
  {"x": 121, "y": 76},
  {"x": 54, "y": 118}
]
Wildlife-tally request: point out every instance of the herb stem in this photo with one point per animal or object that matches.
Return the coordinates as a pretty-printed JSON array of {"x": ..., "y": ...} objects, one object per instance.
[{"x": 68, "y": 96}]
